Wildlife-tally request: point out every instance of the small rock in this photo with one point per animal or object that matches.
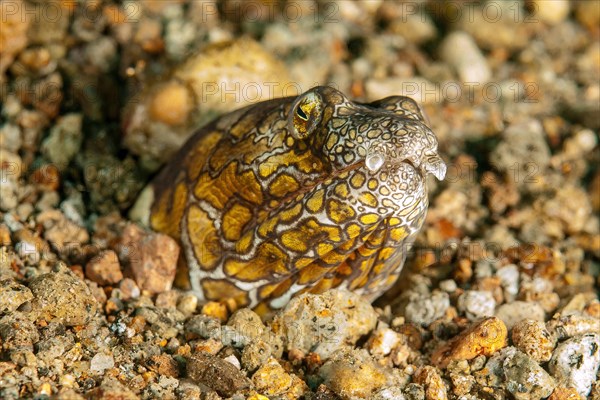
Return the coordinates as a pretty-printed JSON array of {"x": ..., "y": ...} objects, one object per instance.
[
  {"x": 61, "y": 295},
  {"x": 104, "y": 269},
  {"x": 525, "y": 379},
  {"x": 485, "y": 337},
  {"x": 111, "y": 389},
  {"x": 352, "y": 373},
  {"x": 551, "y": 12},
  {"x": 577, "y": 324},
  {"x": 129, "y": 289},
  {"x": 476, "y": 304},
  {"x": 272, "y": 380},
  {"x": 424, "y": 309},
  {"x": 255, "y": 354},
  {"x": 511, "y": 313},
  {"x": 217, "y": 374},
  {"x": 324, "y": 323},
  {"x": 167, "y": 299},
  {"x": 533, "y": 339},
  {"x": 509, "y": 279},
  {"x": 151, "y": 258},
  {"x": 10, "y": 137},
  {"x": 17, "y": 333},
  {"x": 203, "y": 326},
  {"x": 382, "y": 341},
  {"x": 13, "y": 35},
  {"x": 64, "y": 235},
  {"x": 64, "y": 140},
  {"x": 247, "y": 323},
  {"x": 469, "y": 62},
  {"x": 588, "y": 14},
  {"x": 389, "y": 393},
  {"x": 575, "y": 362},
  {"x": 187, "y": 304},
  {"x": 4, "y": 235},
  {"x": 13, "y": 295},
  {"x": 562, "y": 393},
  {"x": 523, "y": 146},
  {"x": 218, "y": 79},
  {"x": 430, "y": 379},
  {"x": 448, "y": 285},
  {"x": 101, "y": 362},
  {"x": 164, "y": 364},
  {"x": 171, "y": 104}
]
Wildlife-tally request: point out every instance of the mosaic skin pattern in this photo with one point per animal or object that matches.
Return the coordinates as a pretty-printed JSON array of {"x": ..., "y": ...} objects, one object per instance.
[{"x": 298, "y": 194}]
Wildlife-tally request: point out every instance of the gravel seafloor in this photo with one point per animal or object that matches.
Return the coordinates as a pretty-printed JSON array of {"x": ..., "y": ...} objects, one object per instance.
[{"x": 500, "y": 295}]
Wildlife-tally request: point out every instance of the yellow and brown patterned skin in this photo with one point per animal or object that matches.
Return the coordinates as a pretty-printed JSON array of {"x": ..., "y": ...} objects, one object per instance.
[{"x": 299, "y": 194}]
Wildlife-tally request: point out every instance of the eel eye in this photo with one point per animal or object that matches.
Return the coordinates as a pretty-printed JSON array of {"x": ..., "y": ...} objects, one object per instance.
[
  {"x": 306, "y": 114},
  {"x": 301, "y": 114}
]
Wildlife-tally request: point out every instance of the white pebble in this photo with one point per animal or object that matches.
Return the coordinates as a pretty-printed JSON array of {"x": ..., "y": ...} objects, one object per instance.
[
  {"x": 233, "y": 360},
  {"x": 460, "y": 51},
  {"x": 101, "y": 362},
  {"x": 476, "y": 304},
  {"x": 448, "y": 285},
  {"x": 575, "y": 362},
  {"x": 509, "y": 279}
]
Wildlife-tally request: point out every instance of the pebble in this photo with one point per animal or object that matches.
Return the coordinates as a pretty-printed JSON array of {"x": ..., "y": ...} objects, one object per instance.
[
  {"x": 110, "y": 388},
  {"x": 469, "y": 62},
  {"x": 484, "y": 337},
  {"x": 248, "y": 323},
  {"x": 563, "y": 393},
  {"x": 509, "y": 279},
  {"x": 255, "y": 354},
  {"x": 100, "y": 362},
  {"x": 511, "y": 313},
  {"x": 187, "y": 304},
  {"x": 164, "y": 364},
  {"x": 272, "y": 380},
  {"x": 570, "y": 206},
  {"x": 551, "y": 12},
  {"x": 13, "y": 35},
  {"x": 567, "y": 326},
  {"x": 352, "y": 374},
  {"x": 575, "y": 362},
  {"x": 150, "y": 257},
  {"x": 383, "y": 340},
  {"x": 171, "y": 104},
  {"x": 10, "y": 137},
  {"x": 17, "y": 332},
  {"x": 476, "y": 304},
  {"x": 423, "y": 309},
  {"x": 63, "y": 235},
  {"x": 523, "y": 153},
  {"x": 448, "y": 285},
  {"x": 216, "y": 80},
  {"x": 389, "y": 393},
  {"x": 64, "y": 140},
  {"x": 104, "y": 269},
  {"x": 62, "y": 296},
  {"x": 435, "y": 388},
  {"x": 13, "y": 295},
  {"x": 216, "y": 373},
  {"x": 525, "y": 379},
  {"x": 10, "y": 171},
  {"x": 588, "y": 13},
  {"x": 532, "y": 338},
  {"x": 325, "y": 322},
  {"x": 129, "y": 289}
]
